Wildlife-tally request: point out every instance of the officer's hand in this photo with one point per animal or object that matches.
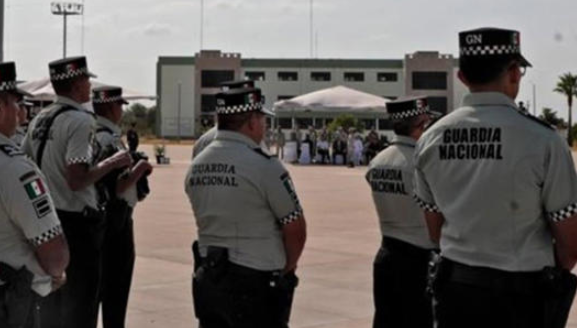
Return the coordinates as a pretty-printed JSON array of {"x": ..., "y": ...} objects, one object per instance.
[
  {"x": 58, "y": 282},
  {"x": 121, "y": 159}
]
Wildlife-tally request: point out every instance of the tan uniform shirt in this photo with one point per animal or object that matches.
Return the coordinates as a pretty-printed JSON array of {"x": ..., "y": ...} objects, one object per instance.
[
  {"x": 71, "y": 141},
  {"x": 499, "y": 178},
  {"x": 27, "y": 215},
  {"x": 390, "y": 177},
  {"x": 241, "y": 197}
]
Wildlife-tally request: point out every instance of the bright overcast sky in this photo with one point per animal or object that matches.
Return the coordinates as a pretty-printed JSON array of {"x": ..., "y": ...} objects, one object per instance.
[{"x": 123, "y": 38}]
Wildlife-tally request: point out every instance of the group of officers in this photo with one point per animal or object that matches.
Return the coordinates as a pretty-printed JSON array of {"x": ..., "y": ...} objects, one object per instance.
[
  {"x": 477, "y": 210},
  {"x": 66, "y": 199}
]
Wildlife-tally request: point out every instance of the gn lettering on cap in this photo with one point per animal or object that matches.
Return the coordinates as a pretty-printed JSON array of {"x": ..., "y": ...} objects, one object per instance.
[
  {"x": 240, "y": 84},
  {"x": 68, "y": 68},
  {"x": 238, "y": 101},
  {"x": 491, "y": 43},
  {"x": 107, "y": 94},
  {"x": 406, "y": 108}
]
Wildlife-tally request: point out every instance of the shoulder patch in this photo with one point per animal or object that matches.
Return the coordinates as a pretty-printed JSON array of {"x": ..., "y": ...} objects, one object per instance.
[
  {"x": 262, "y": 153},
  {"x": 535, "y": 119},
  {"x": 11, "y": 151}
]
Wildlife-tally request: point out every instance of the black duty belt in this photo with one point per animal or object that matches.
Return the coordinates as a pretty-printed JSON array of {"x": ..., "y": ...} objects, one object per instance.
[
  {"x": 491, "y": 278},
  {"x": 87, "y": 212},
  {"x": 398, "y": 246}
]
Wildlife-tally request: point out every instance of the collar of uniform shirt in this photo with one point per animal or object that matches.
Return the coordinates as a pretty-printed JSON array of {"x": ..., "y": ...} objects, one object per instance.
[
  {"x": 235, "y": 136},
  {"x": 70, "y": 102},
  {"x": 101, "y": 120},
  {"x": 404, "y": 140},
  {"x": 4, "y": 140},
  {"x": 488, "y": 99}
]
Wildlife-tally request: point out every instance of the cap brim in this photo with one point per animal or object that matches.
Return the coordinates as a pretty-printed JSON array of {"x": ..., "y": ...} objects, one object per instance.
[
  {"x": 524, "y": 62},
  {"x": 92, "y": 74},
  {"x": 267, "y": 112},
  {"x": 434, "y": 114},
  {"x": 22, "y": 93},
  {"x": 123, "y": 101}
]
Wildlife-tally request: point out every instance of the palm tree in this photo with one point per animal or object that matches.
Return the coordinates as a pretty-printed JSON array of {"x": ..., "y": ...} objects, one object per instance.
[{"x": 567, "y": 86}]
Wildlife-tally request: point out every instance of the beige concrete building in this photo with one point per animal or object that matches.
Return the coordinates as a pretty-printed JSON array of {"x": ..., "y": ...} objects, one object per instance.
[{"x": 186, "y": 85}]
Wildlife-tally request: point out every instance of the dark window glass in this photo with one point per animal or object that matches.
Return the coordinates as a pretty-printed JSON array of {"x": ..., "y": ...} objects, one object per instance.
[
  {"x": 354, "y": 77},
  {"x": 385, "y": 124},
  {"x": 438, "y": 104},
  {"x": 213, "y": 79},
  {"x": 208, "y": 103},
  {"x": 430, "y": 80},
  {"x": 283, "y": 97},
  {"x": 369, "y": 123},
  {"x": 320, "y": 76},
  {"x": 387, "y": 77},
  {"x": 319, "y": 123},
  {"x": 255, "y": 76},
  {"x": 288, "y": 76},
  {"x": 285, "y": 123},
  {"x": 304, "y": 123}
]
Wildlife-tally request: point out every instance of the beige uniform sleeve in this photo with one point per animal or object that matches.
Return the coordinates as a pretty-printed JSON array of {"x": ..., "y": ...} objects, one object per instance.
[
  {"x": 281, "y": 193},
  {"x": 79, "y": 148},
  {"x": 559, "y": 191},
  {"x": 27, "y": 201}
]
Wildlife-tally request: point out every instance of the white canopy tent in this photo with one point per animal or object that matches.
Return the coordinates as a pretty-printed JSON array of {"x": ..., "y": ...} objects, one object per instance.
[
  {"x": 42, "y": 90},
  {"x": 336, "y": 100}
]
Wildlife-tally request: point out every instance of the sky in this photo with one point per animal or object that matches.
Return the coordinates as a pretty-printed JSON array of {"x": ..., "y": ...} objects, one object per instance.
[{"x": 124, "y": 38}]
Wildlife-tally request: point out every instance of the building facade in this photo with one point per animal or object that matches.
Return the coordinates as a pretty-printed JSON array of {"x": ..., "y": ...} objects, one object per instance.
[{"x": 186, "y": 86}]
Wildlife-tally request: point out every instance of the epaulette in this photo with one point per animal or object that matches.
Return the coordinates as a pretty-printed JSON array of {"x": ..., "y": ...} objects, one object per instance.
[
  {"x": 261, "y": 152},
  {"x": 535, "y": 119},
  {"x": 11, "y": 151}
]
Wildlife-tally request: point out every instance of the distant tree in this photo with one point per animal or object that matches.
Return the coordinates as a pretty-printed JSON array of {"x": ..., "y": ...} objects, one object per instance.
[
  {"x": 567, "y": 86},
  {"x": 346, "y": 121},
  {"x": 144, "y": 118},
  {"x": 550, "y": 116}
]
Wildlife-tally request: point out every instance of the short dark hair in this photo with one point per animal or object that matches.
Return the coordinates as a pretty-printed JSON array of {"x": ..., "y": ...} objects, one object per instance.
[
  {"x": 102, "y": 109},
  {"x": 404, "y": 127},
  {"x": 233, "y": 122},
  {"x": 64, "y": 87},
  {"x": 485, "y": 70}
]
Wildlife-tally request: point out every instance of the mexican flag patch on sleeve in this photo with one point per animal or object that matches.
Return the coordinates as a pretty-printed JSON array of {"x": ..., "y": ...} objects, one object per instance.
[{"x": 35, "y": 189}]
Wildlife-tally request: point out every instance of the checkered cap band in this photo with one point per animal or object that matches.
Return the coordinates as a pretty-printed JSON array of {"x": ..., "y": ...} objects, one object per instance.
[
  {"x": 69, "y": 74},
  {"x": 47, "y": 236},
  {"x": 107, "y": 100},
  {"x": 8, "y": 86},
  {"x": 409, "y": 113},
  {"x": 426, "y": 206},
  {"x": 487, "y": 50},
  {"x": 239, "y": 109},
  {"x": 563, "y": 214}
]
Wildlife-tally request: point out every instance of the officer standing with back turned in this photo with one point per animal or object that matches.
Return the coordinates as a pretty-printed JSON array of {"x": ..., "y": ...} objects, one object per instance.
[
  {"x": 33, "y": 250},
  {"x": 400, "y": 268},
  {"x": 499, "y": 190},
  {"x": 251, "y": 227},
  {"x": 61, "y": 140}
]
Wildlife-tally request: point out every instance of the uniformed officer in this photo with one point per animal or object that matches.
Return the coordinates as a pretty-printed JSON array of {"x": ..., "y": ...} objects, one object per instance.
[
  {"x": 33, "y": 250},
  {"x": 400, "y": 268},
  {"x": 251, "y": 227},
  {"x": 61, "y": 141},
  {"x": 499, "y": 191},
  {"x": 118, "y": 253},
  {"x": 207, "y": 137}
]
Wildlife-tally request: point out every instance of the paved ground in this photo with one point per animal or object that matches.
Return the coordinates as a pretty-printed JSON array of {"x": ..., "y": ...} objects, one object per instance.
[{"x": 335, "y": 271}]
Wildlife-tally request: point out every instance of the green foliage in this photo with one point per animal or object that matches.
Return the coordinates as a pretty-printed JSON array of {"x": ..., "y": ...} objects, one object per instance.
[
  {"x": 145, "y": 119},
  {"x": 346, "y": 121},
  {"x": 550, "y": 116},
  {"x": 567, "y": 86}
]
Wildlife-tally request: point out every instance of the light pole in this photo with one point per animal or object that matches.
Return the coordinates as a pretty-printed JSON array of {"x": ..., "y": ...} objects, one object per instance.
[{"x": 66, "y": 9}]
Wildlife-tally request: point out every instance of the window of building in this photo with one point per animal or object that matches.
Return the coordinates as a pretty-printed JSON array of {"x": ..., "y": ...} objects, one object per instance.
[
  {"x": 255, "y": 76},
  {"x": 288, "y": 76},
  {"x": 387, "y": 77},
  {"x": 213, "y": 78},
  {"x": 268, "y": 122},
  {"x": 385, "y": 124},
  {"x": 430, "y": 80},
  {"x": 438, "y": 104},
  {"x": 304, "y": 123},
  {"x": 369, "y": 123},
  {"x": 319, "y": 123},
  {"x": 320, "y": 76},
  {"x": 285, "y": 123},
  {"x": 354, "y": 76},
  {"x": 207, "y": 103},
  {"x": 284, "y": 97}
]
